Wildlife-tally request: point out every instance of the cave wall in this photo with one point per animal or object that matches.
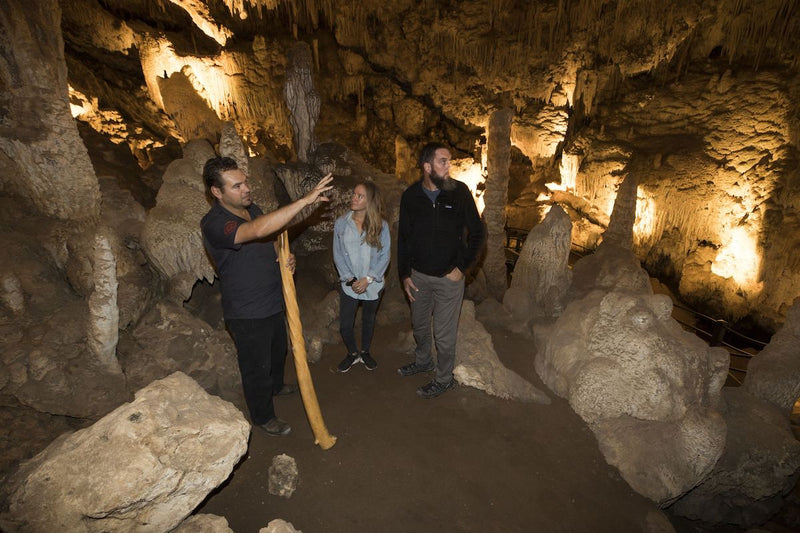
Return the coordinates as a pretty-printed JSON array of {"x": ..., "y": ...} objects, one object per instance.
[
  {"x": 673, "y": 91},
  {"x": 42, "y": 157},
  {"x": 715, "y": 159}
]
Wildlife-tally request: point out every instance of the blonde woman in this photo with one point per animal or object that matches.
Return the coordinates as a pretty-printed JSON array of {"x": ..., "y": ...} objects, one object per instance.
[{"x": 361, "y": 251}]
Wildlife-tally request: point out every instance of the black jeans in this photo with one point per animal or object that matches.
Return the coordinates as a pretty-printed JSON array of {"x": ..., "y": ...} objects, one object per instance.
[
  {"x": 261, "y": 349},
  {"x": 347, "y": 318}
]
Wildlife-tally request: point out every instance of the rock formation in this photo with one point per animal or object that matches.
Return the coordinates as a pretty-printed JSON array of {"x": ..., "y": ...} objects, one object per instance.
[
  {"x": 171, "y": 236},
  {"x": 478, "y": 366},
  {"x": 103, "y": 309},
  {"x": 145, "y": 465},
  {"x": 541, "y": 274},
  {"x": 42, "y": 157},
  {"x": 302, "y": 99},
  {"x": 649, "y": 390},
  {"x": 283, "y": 476},
  {"x": 230, "y": 145},
  {"x": 760, "y": 464},
  {"x": 496, "y": 198},
  {"x": 774, "y": 374}
]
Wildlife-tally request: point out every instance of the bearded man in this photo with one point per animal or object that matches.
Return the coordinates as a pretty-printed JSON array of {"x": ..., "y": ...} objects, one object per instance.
[{"x": 439, "y": 238}]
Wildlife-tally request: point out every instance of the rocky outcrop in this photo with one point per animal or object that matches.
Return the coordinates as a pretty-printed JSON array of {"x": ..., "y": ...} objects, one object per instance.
[
  {"x": 146, "y": 465},
  {"x": 42, "y": 157},
  {"x": 774, "y": 374},
  {"x": 649, "y": 390},
  {"x": 171, "y": 236},
  {"x": 169, "y": 339},
  {"x": 478, "y": 366},
  {"x": 760, "y": 465},
  {"x": 541, "y": 274}
]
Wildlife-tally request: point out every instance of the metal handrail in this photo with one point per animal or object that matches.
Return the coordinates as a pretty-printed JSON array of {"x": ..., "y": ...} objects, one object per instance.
[{"x": 519, "y": 234}]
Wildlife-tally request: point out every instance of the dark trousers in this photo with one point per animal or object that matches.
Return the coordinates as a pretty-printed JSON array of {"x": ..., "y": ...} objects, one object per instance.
[
  {"x": 347, "y": 318},
  {"x": 261, "y": 348}
]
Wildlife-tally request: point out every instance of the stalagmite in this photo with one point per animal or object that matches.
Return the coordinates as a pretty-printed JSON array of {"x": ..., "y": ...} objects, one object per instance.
[
  {"x": 103, "y": 310},
  {"x": 542, "y": 274},
  {"x": 620, "y": 227},
  {"x": 496, "y": 197},
  {"x": 302, "y": 99},
  {"x": 230, "y": 145}
]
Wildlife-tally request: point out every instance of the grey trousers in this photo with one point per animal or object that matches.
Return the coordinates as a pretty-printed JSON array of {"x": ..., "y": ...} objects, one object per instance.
[{"x": 438, "y": 299}]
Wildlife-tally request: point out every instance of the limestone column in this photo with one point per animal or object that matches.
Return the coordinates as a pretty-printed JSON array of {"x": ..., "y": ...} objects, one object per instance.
[
  {"x": 42, "y": 157},
  {"x": 623, "y": 216},
  {"x": 302, "y": 99},
  {"x": 495, "y": 198}
]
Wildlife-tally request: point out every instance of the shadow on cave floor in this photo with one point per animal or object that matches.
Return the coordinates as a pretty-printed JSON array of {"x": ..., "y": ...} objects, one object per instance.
[{"x": 464, "y": 461}]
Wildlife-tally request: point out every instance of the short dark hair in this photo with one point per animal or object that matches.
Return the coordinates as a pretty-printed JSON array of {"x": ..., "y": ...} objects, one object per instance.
[
  {"x": 428, "y": 153},
  {"x": 213, "y": 169}
]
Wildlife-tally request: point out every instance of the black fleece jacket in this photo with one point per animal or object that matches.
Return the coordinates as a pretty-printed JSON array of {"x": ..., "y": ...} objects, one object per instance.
[{"x": 435, "y": 238}]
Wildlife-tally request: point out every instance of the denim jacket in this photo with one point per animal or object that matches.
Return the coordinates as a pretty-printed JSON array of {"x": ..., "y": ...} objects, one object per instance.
[{"x": 354, "y": 258}]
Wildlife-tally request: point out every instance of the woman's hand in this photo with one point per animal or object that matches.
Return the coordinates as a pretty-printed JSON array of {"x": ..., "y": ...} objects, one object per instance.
[{"x": 360, "y": 286}]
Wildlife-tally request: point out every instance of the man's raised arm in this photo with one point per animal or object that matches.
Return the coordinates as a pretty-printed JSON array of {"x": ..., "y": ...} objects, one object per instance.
[{"x": 270, "y": 223}]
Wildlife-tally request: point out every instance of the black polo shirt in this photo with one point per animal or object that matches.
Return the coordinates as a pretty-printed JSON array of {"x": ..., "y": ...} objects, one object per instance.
[{"x": 249, "y": 274}]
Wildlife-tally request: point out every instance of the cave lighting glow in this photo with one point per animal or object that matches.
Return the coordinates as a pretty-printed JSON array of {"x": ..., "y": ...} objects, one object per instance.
[
  {"x": 209, "y": 77},
  {"x": 739, "y": 258},
  {"x": 568, "y": 169},
  {"x": 201, "y": 17},
  {"x": 471, "y": 174},
  {"x": 646, "y": 221},
  {"x": 79, "y": 104}
]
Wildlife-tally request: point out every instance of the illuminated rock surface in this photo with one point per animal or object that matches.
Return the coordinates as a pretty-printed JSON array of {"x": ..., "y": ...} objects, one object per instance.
[
  {"x": 693, "y": 102},
  {"x": 147, "y": 464}
]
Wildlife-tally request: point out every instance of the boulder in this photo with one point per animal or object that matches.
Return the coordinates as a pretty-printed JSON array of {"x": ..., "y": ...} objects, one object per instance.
[
  {"x": 649, "y": 390},
  {"x": 774, "y": 374},
  {"x": 760, "y": 465},
  {"x": 144, "y": 466},
  {"x": 279, "y": 526},
  {"x": 170, "y": 339}
]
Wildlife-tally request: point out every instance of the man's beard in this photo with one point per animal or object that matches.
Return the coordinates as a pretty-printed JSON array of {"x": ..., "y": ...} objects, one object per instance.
[{"x": 443, "y": 183}]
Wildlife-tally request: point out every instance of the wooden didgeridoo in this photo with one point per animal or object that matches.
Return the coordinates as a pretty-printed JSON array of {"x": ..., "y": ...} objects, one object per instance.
[{"x": 323, "y": 438}]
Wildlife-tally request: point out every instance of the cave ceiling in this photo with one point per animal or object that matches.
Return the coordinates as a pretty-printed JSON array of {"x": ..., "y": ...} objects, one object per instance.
[{"x": 415, "y": 68}]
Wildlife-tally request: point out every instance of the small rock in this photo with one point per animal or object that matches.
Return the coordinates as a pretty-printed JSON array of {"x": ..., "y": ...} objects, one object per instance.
[{"x": 283, "y": 476}]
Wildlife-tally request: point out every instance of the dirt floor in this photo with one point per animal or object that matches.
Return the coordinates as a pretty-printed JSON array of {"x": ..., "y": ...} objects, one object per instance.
[{"x": 465, "y": 461}]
